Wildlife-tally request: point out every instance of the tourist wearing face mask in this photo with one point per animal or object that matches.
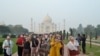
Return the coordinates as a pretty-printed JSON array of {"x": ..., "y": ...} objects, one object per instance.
[
  {"x": 35, "y": 43},
  {"x": 26, "y": 47}
]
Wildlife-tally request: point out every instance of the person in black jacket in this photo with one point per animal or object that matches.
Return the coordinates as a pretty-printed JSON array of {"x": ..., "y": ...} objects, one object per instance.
[
  {"x": 79, "y": 39},
  {"x": 35, "y": 46},
  {"x": 83, "y": 43},
  {"x": 26, "y": 48}
]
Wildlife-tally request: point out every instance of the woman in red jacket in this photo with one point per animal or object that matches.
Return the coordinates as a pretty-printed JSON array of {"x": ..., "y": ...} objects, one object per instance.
[{"x": 20, "y": 42}]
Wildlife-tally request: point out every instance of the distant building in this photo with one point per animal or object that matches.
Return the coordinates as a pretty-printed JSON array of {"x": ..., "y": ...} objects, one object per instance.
[{"x": 47, "y": 26}]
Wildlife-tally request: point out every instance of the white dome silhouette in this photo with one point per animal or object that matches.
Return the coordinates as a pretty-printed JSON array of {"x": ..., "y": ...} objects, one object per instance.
[{"x": 47, "y": 18}]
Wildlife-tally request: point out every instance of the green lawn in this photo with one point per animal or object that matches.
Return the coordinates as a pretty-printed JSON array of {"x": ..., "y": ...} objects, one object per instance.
[
  {"x": 14, "y": 47},
  {"x": 94, "y": 51}
]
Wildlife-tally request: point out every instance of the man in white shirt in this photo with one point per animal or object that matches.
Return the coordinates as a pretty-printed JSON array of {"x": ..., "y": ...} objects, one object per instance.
[{"x": 7, "y": 46}]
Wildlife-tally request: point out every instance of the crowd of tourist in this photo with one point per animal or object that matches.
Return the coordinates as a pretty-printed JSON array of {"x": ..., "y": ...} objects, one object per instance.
[{"x": 44, "y": 45}]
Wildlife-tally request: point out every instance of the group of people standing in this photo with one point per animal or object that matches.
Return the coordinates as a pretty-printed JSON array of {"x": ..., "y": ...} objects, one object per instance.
[
  {"x": 44, "y": 45},
  {"x": 39, "y": 44}
]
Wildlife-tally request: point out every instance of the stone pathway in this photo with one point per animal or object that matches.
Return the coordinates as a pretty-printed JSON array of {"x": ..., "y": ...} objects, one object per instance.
[
  {"x": 93, "y": 43},
  {"x": 15, "y": 54},
  {"x": 65, "y": 51}
]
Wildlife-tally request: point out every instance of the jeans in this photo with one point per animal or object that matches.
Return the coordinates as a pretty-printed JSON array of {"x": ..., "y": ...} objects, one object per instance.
[{"x": 5, "y": 54}]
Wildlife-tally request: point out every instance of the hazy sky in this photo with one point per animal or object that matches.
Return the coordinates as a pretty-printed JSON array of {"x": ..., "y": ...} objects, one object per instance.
[{"x": 74, "y": 11}]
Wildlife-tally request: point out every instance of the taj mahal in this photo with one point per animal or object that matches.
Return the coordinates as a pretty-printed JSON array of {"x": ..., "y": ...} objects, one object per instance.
[{"x": 47, "y": 26}]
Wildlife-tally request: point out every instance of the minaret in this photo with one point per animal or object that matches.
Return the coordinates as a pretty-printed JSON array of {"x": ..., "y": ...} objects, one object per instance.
[
  {"x": 31, "y": 25},
  {"x": 55, "y": 27},
  {"x": 64, "y": 24},
  {"x": 59, "y": 27},
  {"x": 39, "y": 28},
  {"x": 34, "y": 27},
  {"x": 64, "y": 30}
]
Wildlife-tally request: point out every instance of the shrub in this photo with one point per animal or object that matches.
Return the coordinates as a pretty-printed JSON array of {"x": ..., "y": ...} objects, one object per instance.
[
  {"x": 4, "y": 36},
  {"x": 13, "y": 36},
  {"x": 1, "y": 50}
]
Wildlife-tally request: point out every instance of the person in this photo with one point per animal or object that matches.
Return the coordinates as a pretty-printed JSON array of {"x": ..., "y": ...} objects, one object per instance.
[
  {"x": 42, "y": 46},
  {"x": 79, "y": 39},
  {"x": 62, "y": 48},
  {"x": 58, "y": 45},
  {"x": 39, "y": 43},
  {"x": 83, "y": 43},
  {"x": 26, "y": 47},
  {"x": 55, "y": 46},
  {"x": 52, "y": 48},
  {"x": 20, "y": 43},
  {"x": 35, "y": 46},
  {"x": 7, "y": 46},
  {"x": 48, "y": 44},
  {"x": 73, "y": 47}
]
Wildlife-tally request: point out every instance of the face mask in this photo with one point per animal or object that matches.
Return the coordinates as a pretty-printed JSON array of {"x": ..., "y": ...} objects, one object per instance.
[{"x": 34, "y": 36}]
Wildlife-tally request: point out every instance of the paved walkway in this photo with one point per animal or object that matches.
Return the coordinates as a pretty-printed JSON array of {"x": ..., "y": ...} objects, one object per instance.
[
  {"x": 15, "y": 54},
  {"x": 65, "y": 51},
  {"x": 93, "y": 43}
]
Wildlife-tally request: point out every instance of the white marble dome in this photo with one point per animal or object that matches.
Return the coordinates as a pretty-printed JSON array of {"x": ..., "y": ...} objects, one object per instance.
[
  {"x": 47, "y": 18},
  {"x": 47, "y": 26}
]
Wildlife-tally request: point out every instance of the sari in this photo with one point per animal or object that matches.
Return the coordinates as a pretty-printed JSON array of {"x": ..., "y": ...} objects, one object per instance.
[{"x": 52, "y": 48}]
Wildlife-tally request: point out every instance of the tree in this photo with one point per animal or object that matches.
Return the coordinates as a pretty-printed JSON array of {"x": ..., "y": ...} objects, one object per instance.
[
  {"x": 17, "y": 29},
  {"x": 98, "y": 30},
  {"x": 80, "y": 29},
  {"x": 90, "y": 29},
  {"x": 96, "y": 35},
  {"x": 11, "y": 28},
  {"x": 74, "y": 31},
  {"x": 64, "y": 34},
  {"x": 71, "y": 31},
  {"x": 67, "y": 35},
  {"x": 4, "y": 29}
]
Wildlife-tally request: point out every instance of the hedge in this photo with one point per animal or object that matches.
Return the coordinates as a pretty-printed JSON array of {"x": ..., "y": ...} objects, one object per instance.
[
  {"x": 1, "y": 50},
  {"x": 5, "y": 35}
]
